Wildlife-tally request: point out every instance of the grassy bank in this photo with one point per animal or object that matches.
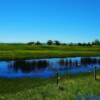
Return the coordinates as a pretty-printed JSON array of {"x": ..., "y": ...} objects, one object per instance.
[
  {"x": 13, "y": 51},
  {"x": 46, "y": 89}
]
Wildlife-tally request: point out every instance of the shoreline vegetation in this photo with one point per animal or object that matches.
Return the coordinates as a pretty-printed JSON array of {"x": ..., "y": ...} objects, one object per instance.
[
  {"x": 51, "y": 49},
  {"x": 47, "y": 89}
]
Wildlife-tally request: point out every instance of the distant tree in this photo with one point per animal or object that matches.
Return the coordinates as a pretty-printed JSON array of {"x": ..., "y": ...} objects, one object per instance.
[
  {"x": 38, "y": 43},
  {"x": 79, "y": 44},
  {"x": 84, "y": 44},
  {"x": 64, "y": 44},
  {"x": 96, "y": 42},
  {"x": 56, "y": 42},
  {"x": 30, "y": 43},
  {"x": 49, "y": 42},
  {"x": 89, "y": 44}
]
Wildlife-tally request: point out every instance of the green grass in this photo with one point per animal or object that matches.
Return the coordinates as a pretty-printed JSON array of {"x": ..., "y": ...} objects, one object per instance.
[
  {"x": 10, "y": 51},
  {"x": 46, "y": 89}
]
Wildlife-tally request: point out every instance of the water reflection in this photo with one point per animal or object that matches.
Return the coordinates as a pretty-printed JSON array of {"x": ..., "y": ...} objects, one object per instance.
[
  {"x": 27, "y": 66},
  {"x": 88, "y": 60},
  {"x": 84, "y": 61},
  {"x": 47, "y": 67},
  {"x": 69, "y": 63}
]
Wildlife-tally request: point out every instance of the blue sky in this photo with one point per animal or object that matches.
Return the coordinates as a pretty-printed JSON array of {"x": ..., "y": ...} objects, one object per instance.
[{"x": 64, "y": 20}]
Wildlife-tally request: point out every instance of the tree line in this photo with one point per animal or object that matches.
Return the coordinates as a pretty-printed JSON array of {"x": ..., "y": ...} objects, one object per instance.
[{"x": 56, "y": 42}]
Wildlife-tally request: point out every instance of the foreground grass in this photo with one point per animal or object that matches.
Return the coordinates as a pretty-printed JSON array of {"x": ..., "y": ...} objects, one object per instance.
[
  {"x": 9, "y": 51},
  {"x": 46, "y": 89}
]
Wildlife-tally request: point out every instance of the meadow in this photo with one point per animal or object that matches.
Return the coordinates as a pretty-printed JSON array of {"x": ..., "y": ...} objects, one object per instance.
[
  {"x": 47, "y": 89},
  {"x": 24, "y": 51}
]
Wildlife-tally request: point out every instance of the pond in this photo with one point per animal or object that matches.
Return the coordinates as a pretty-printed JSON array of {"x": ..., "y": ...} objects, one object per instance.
[{"x": 45, "y": 68}]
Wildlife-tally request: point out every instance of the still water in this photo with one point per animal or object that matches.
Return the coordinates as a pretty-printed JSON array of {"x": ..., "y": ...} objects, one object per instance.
[{"x": 45, "y": 68}]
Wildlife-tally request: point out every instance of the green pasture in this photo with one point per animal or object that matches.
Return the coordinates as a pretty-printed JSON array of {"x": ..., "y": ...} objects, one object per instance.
[{"x": 22, "y": 51}]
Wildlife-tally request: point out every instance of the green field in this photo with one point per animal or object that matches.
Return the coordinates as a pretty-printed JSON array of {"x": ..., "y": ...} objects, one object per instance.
[
  {"x": 21, "y": 51},
  {"x": 46, "y": 89}
]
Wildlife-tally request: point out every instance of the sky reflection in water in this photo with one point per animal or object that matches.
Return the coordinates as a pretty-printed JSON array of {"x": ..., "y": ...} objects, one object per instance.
[{"x": 47, "y": 67}]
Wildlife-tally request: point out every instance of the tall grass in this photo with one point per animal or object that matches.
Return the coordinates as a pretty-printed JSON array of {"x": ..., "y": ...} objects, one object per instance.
[{"x": 46, "y": 89}]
